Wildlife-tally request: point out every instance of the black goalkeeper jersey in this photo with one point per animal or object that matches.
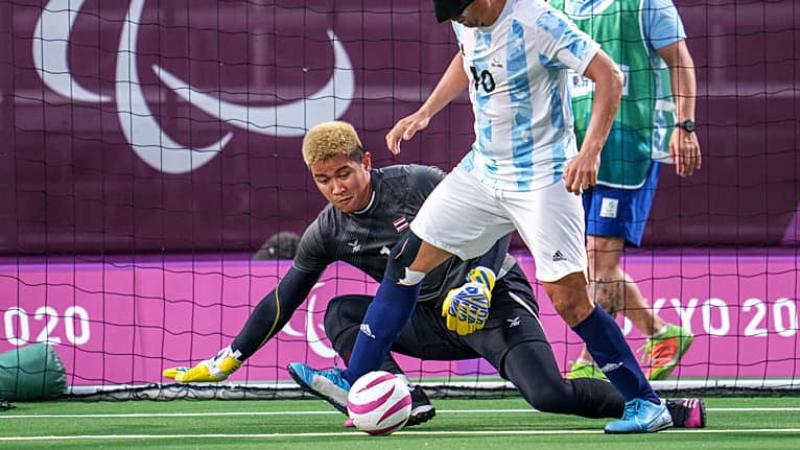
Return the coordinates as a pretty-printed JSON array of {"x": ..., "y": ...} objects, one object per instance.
[{"x": 365, "y": 239}]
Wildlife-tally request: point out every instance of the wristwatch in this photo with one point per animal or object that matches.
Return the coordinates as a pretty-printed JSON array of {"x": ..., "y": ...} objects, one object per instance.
[{"x": 687, "y": 126}]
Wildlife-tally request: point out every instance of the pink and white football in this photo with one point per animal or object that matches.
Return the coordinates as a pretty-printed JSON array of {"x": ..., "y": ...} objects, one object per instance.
[{"x": 379, "y": 403}]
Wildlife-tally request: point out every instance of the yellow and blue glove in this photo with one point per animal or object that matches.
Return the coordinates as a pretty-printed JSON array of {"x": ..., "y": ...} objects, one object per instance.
[
  {"x": 212, "y": 370},
  {"x": 466, "y": 309}
]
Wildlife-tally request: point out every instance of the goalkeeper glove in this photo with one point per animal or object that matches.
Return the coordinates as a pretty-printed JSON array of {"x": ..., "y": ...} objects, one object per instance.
[
  {"x": 218, "y": 368},
  {"x": 466, "y": 308}
]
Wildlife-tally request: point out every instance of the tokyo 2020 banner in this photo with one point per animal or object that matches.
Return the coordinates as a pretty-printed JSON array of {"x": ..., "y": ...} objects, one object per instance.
[{"x": 124, "y": 321}]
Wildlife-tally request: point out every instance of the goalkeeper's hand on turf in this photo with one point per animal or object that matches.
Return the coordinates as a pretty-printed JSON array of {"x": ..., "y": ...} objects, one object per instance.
[
  {"x": 466, "y": 308},
  {"x": 218, "y": 368}
]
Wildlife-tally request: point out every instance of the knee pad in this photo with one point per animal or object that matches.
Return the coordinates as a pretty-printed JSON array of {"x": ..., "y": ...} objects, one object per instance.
[{"x": 402, "y": 255}]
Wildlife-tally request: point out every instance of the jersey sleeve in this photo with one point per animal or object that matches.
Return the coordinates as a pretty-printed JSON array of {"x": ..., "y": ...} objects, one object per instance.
[
  {"x": 661, "y": 23},
  {"x": 561, "y": 44},
  {"x": 424, "y": 179},
  {"x": 312, "y": 254}
]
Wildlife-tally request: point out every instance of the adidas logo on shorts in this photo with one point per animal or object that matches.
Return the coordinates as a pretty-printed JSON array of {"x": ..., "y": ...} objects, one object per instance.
[{"x": 558, "y": 256}]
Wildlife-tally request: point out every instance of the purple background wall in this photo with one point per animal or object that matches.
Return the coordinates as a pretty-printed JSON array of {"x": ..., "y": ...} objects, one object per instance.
[{"x": 70, "y": 182}]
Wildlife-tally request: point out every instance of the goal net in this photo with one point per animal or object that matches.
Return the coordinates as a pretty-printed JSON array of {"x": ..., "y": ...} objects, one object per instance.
[{"x": 150, "y": 149}]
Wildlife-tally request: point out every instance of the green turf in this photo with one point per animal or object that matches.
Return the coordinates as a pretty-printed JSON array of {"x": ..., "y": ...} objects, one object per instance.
[{"x": 432, "y": 435}]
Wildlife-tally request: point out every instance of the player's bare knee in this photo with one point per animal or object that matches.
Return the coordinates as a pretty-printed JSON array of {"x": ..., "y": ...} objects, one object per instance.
[
  {"x": 572, "y": 308},
  {"x": 400, "y": 259},
  {"x": 570, "y": 298},
  {"x": 604, "y": 255}
]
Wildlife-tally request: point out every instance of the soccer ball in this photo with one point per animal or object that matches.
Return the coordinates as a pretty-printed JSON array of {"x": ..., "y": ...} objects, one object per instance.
[{"x": 379, "y": 403}]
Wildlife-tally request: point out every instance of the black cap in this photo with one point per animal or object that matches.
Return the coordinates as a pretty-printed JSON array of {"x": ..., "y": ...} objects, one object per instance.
[{"x": 448, "y": 9}]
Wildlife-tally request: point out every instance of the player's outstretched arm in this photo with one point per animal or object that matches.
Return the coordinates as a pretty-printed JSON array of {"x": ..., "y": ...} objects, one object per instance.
[
  {"x": 581, "y": 173},
  {"x": 267, "y": 319},
  {"x": 453, "y": 82}
]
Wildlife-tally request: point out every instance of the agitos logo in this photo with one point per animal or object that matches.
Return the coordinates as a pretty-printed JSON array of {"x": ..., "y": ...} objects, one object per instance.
[{"x": 141, "y": 129}]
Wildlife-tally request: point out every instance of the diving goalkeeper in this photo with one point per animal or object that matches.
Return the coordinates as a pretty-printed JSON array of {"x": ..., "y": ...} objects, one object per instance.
[{"x": 482, "y": 307}]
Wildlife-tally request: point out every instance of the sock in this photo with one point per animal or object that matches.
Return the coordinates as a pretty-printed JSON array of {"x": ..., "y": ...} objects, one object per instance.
[
  {"x": 385, "y": 319},
  {"x": 607, "y": 345}
]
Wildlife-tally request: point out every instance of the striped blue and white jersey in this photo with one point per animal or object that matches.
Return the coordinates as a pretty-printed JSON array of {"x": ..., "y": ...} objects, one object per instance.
[{"x": 518, "y": 89}]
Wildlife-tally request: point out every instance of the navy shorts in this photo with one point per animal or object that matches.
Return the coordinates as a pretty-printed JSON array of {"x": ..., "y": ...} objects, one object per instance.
[{"x": 622, "y": 213}]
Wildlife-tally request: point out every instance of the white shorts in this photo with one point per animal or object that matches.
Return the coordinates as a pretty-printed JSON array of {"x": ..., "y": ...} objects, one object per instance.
[{"x": 466, "y": 218}]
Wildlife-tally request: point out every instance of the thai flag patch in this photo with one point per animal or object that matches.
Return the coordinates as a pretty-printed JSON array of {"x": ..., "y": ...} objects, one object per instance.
[{"x": 400, "y": 224}]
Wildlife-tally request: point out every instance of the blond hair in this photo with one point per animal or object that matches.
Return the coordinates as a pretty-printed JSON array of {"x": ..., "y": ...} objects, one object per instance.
[{"x": 330, "y": 139}]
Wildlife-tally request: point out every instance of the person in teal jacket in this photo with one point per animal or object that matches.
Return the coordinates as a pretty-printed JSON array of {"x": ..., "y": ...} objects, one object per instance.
[{"x": 654, "y": 125}]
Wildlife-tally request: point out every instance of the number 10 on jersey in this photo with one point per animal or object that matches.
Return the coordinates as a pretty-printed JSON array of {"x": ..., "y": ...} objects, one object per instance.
[{"x": 482, "y": 79}]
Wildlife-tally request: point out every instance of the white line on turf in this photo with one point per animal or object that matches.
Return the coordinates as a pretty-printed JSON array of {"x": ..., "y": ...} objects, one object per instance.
[
  {"x": 320, "y": 413},
  {"x": 355, "y": 433}
]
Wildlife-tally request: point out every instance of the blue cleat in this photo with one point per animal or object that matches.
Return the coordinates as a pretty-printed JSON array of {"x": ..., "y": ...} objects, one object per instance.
[
  {"x": 641, "y": 416},
  {"x": 325, "y": 384}
]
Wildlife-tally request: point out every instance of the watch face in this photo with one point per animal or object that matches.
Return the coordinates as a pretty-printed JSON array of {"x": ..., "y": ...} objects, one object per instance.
[{"x": 687, "y": 125}]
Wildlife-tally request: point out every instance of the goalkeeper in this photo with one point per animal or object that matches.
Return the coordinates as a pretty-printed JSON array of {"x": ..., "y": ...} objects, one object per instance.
[{"x": 368, "y": 214}]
